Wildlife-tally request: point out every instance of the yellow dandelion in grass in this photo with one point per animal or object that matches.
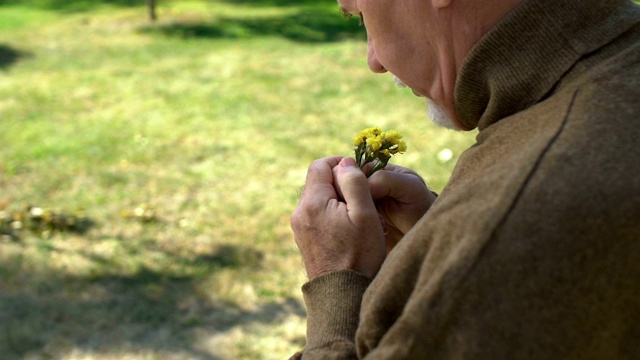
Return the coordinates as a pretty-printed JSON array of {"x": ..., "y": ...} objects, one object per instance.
[{"x": 373, "y": 144}]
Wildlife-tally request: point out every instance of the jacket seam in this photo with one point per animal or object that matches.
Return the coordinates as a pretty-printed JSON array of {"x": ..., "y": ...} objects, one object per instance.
[
  {"x": 521, "y": 190},
  {"x": 534, "y": 169}
]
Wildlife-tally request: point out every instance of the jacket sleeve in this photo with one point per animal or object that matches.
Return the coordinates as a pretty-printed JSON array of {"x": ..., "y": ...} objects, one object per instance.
[{"x": 333, "y": 308}]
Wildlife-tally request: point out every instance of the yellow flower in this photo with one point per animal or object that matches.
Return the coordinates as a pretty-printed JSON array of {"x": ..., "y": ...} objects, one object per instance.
[
  {"x": 393, "y": 136},
  {"x": 373, "y": 144},
  {"x": 359, "y": 139}
]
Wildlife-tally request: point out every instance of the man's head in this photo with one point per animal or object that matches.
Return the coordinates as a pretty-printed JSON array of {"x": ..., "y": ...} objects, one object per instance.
[{"x": 424, "y": 42}]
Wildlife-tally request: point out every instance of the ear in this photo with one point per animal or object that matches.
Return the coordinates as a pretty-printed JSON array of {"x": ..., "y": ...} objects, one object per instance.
[{"x": 440, "y": 4}]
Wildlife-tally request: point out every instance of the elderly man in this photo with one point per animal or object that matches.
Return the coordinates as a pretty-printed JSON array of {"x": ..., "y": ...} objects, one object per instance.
[{"x": 532, "y": 251}]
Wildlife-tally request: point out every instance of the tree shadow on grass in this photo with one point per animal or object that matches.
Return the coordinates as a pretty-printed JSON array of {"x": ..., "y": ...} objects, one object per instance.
[
  {"x": 9, "y": 56},
  {"x": 148, "y": 311},
  {"x": 304, "y": 26}
]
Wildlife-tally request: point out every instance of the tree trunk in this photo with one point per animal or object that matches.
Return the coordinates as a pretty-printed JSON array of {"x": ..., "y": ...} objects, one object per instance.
[{"x": 152, "y": 10}]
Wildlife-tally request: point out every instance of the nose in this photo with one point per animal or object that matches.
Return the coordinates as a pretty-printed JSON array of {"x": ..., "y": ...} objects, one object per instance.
[{"x": 374, "y": 64}]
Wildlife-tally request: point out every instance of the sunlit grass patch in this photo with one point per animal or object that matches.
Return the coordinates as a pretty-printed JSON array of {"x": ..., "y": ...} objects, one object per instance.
[{"x": 17, "y": 17}]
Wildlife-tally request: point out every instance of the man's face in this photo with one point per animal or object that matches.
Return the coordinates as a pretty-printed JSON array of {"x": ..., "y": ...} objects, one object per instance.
[{"x": 404, "y": 38}]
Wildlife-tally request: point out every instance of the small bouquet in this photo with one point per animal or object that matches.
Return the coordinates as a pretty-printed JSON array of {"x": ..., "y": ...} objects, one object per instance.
[{"x": 373, "y": 144}]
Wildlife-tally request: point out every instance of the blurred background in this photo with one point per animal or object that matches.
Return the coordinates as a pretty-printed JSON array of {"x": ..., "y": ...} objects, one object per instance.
[{"x": 150, "y": 159}]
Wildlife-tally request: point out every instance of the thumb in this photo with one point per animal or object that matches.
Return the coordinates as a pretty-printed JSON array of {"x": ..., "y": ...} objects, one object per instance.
[{"x": 354, "y": 186}]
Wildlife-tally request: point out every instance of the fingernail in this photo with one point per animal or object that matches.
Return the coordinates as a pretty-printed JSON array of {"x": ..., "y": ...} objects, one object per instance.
[{"x": 347, "y": 162}]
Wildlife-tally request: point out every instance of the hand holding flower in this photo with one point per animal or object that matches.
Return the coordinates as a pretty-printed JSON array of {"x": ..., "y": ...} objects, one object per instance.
[
  {"x": 402, "y": 198},
  {"x": 338, "y": 232},
  {"x": 400, "y": 194}
]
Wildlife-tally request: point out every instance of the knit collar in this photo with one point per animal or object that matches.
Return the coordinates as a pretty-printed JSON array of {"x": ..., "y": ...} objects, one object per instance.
[{"x": 526, "y": 54}]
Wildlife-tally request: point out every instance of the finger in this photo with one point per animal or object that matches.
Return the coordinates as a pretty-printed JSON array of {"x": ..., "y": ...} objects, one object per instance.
[
  {"x": 399, "y": 169},
  {"x": 397, "y": 185},
  {"x": 319, "y": 180},
  {"x": 354, "y": 186}
]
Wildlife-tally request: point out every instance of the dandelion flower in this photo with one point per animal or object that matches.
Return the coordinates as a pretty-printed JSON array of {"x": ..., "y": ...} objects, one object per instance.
[{"x": 375, "y": 145}]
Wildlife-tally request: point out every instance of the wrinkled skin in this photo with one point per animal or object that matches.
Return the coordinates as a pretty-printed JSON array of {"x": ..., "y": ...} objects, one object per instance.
[{"x": 346, "y": 221}]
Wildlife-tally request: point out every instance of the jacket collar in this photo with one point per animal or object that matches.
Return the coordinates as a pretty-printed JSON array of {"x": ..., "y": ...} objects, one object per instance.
[{"x": 526, "y": 54}]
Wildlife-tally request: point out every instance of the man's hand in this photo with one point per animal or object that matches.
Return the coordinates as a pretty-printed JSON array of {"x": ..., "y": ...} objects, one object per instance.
[
  {"x": 402, "y": 198},
  {"x": 338, "y": 232}
]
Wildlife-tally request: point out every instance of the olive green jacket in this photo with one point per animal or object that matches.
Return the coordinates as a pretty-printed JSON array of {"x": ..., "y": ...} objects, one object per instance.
[{"x": 532, "y": 251}]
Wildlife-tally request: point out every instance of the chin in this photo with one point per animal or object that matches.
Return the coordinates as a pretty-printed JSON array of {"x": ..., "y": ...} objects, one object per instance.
[
  {"x": 439, "y": 116},
  {"x": 435, "y": 112}
]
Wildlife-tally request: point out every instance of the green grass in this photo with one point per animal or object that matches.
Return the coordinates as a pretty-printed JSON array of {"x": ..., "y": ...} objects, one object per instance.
[{"x": 207, "y": 121}]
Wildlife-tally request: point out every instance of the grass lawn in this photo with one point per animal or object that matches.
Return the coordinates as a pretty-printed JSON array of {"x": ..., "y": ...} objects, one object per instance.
[{"x": 147, "y": 172}]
